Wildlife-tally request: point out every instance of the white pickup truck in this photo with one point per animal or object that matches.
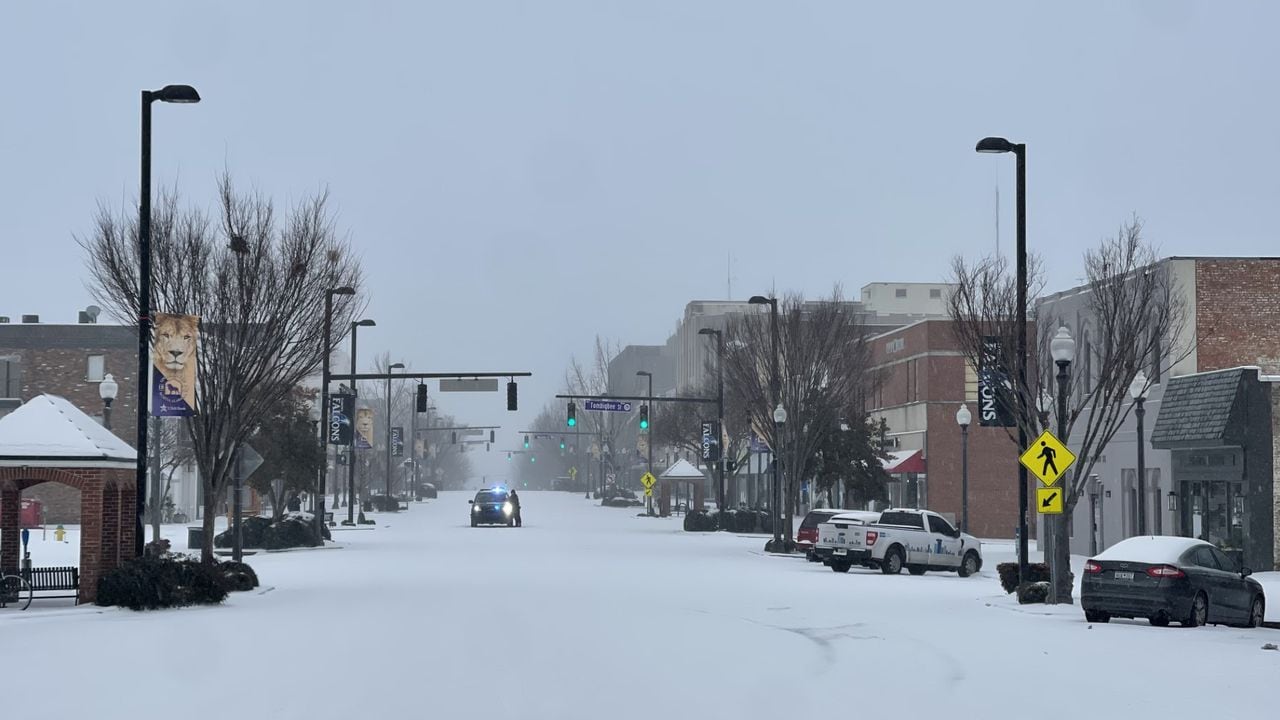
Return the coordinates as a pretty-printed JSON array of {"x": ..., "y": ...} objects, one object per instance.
[{"x": 918, "y": 540}]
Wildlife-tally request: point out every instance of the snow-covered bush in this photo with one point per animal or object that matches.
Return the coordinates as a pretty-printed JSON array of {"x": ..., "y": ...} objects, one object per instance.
[
  {"x": 1008, "y": 572},
  {"x": 238, "y": 576},
  {"x": 1033, "y": 592},
  {"x": 251, "y": 532},
  {"x": 149, "y": 583},
  {"x": 699, "y": 521}
]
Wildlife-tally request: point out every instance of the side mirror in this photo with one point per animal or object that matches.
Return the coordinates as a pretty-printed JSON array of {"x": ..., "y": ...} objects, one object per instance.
[
  {"x": 1245, "y": 572},
  {"x": 471, "y": 502}
]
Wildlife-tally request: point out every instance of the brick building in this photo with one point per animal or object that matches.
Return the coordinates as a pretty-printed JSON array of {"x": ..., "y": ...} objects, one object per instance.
[
  {"x": 69, "y": 361},
  {"x": 1232, "y": 314},
  {"x": 925, "y": 378}
]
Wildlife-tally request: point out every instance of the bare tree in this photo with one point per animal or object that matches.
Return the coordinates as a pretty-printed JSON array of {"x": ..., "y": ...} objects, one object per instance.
[
  {"x": 257, "y": 280},
  {"x": 824, "y": 364},
  {"x": 1134, "y": 314}
]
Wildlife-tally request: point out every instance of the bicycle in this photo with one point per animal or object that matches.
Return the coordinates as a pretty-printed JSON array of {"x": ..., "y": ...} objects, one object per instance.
[{"x": 12, "y": 588}]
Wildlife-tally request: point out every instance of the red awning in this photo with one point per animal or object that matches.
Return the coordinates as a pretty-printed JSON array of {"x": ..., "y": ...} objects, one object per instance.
[{"x": 905, "y": 461}]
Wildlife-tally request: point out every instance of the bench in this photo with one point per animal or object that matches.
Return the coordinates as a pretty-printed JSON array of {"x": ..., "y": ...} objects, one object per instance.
[{"x": 53, "y": 579}]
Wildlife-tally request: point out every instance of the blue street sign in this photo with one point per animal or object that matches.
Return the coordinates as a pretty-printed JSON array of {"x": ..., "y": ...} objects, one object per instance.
[
  {"x": 607, "y": 406},
  {"x": 26, "y": 536}
]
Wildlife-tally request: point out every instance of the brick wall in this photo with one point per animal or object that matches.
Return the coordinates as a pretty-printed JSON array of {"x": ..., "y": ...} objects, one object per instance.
[{"x": 1237, "y": 313}]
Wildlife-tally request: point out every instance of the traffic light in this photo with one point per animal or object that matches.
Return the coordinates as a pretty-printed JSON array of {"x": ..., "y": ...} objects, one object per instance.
[
  {"x": 526, "y": 442},
  {"x": 508, "y": 456},
  {"x": 533, "y": 458},
  {"x": 491, "y": 437},
  {"x": 561, "y": 443},
  {"x": 644, "y": 417},
  {"x": 422, "y": 398},
  {"x": 486, "y": 447},
  {"x": 572, "y": 420},
  {"x": 511, "y": 396},
  {"x": 455, "y": 437}
]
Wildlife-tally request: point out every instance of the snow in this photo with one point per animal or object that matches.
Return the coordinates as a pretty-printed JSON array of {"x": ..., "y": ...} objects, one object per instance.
[
  {"x": 1151, "y": 549},
  {"x": 48, "y": 430},
  {"x": 861, "y": 516},
  {"x": 682, "y": 470},
  {"x": 593, "y": 613}
]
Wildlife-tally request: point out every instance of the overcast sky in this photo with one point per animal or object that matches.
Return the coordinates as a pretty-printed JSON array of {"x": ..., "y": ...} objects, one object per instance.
[{"x": 520, "y": 177}]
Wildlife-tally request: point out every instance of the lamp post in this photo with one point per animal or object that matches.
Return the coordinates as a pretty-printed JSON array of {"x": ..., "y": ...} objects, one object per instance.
[
  {"x": 1063, "y": 349},
  {"x": 314, "y": 414},
  {"x": 721, "y": 490},
  {"x": 649, "y": 438},
  {"x": 107, "y": 390},
  {"x": 1138, "y": 391},
  {"x": 392, "y": 366},
  {"x": 324, "y": 401},
  {"x": 963, "y": 418},
  {"x": 351, "y": 450},
  {"x": 775, "y": 388},
  {"x": 1093, "y": 488},
  {"x": 1001, "y": 145},
  {"x": 169, "y": 94},
  {"x": 779, "y": 419}
]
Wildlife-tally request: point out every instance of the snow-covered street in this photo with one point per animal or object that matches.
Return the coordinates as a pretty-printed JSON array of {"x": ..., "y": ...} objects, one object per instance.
[{"x": 591, "y": 612}]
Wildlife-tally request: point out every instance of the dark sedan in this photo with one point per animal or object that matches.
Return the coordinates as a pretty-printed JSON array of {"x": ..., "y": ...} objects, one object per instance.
[
  {"x": 1167, "y": 579},
  {"x": 492, "y": 507}
]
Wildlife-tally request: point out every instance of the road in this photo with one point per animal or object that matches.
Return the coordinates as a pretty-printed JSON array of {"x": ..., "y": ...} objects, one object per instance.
[{"x": 590, "y": 612}]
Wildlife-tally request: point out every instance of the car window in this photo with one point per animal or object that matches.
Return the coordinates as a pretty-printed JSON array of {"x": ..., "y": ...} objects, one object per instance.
[
  {"x": 940, "y": 526},
  {"x": 1224, "y": 562},
  {"x": 491, "y": 497},
  {"x": 814, "y": 518},
  {"x": 907, "y": 519},
  {"x": 1202, "y": 557}
]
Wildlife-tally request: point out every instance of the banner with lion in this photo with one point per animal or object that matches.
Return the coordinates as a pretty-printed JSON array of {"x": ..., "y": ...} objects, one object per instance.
[{"x": 173, "y": 365}]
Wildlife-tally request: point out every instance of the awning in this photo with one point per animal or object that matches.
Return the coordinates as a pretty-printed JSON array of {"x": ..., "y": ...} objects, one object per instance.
[{"x": 904, "y": 461}]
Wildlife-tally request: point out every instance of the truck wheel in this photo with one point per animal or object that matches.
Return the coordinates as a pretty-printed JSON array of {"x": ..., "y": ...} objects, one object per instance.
[
  {"x": 916, "y": 569},
  {"x": 841, "y": 567},
  {"x": 893, "y": 560},
  {"x": 969, "y": 565}
]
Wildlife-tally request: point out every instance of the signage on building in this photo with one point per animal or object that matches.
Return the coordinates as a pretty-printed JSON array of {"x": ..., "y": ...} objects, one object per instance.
[{"x": 995, "y": 391}]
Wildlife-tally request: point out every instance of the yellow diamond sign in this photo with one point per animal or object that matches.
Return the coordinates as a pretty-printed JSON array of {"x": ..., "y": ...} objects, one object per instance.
[
  {"x": 1047, "y": 458},
  {"x": 648, "y": 481}
]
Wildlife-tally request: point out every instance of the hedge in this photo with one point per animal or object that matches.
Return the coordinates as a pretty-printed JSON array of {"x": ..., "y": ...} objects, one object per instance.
[
  {"x": 151, "y": 583},
  {"x": 1036, "y": 572}
]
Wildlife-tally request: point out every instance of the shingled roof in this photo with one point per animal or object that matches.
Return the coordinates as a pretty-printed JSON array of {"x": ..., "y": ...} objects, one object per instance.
[{"x": 1196, "y": 410}]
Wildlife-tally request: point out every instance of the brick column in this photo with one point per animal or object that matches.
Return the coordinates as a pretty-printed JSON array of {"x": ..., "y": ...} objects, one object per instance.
[
  {"x": 110, "y": 528},
  {"x": 128, "y": 512},
  {"x": 91, "y": 531},
  {"x": 10, "y": 535}
]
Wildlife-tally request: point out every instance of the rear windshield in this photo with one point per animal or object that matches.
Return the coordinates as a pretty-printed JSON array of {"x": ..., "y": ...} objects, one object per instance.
[
  {"x": 815, "y": 517},
  {"x": 902, "y": 518},
  {"x": 491, "y": 497}
]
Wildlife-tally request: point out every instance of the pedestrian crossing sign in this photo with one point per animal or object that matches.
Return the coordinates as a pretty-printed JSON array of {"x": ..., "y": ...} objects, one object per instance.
[
  {"x": 1047, "y": 458},
  {"x": 648, "y": 481}
]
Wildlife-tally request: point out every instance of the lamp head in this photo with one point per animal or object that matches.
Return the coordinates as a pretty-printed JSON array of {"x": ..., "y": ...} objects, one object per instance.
[
  {"x": 1138, "y": 388},
  {"x": 994, "y": 145},
  {"x": 963, "y": 416},
  {"x": 177, "y": 94},
  {"x": 108, "y": 388},
  {"x": 1063, "y": 346}
]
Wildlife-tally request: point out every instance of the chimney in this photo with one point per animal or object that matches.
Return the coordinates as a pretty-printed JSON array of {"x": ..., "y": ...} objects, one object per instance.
[{"x": 31, "y": 319}]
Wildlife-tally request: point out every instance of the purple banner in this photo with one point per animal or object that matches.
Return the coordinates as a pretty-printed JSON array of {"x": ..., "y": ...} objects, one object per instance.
[{"x": 167, "y": 398}]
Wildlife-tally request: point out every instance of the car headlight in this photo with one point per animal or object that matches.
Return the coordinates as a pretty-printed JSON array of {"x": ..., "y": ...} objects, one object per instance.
[
  {"x": 507, "y": 508},
  {"x": 475, "y": 508}
]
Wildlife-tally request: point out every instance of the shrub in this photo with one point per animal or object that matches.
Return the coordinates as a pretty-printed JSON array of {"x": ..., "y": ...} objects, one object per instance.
[
  {"x": 1034, "y": 592},
  {"x": 1036, "y": 572},
  {"x": 238, "y": 576},
  {"x": 150, "y": 583},
  {"x": 384, "y": 503},
  {"x": 699, "y": 521},
  {"x": 251, "y": 531},
  {"x": 157, "y": 548},
  {"x": 290, "y": 532}
]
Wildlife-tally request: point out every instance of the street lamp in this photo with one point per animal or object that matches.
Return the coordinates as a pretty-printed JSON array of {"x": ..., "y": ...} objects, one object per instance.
[
  {"x": 1138, "y": 391},
  {"x": 1093, "y": 487},
  {"x": 720, "y": 486},
  {"x": 775, "y": 388},
  {"x": 1001, "y": 145},
  {"x": 1063, "y": 350},
  {"x": 107, "y": 390},
  {"x": 355, "y": 440},
  {"x": 317, "y": 503},
  {"x": 963, "y": 418},
  {"x": 779, "y": 419},
  {"x": 323, "y": 410},
  {"x": 169, "y": 94},
  {"x": 648, "y": 440},
  {"x": 392, "y": 366}
]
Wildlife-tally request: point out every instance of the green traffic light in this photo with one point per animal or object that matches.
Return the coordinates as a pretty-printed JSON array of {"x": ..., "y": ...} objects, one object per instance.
[
  {"x": 533, "y": 458},
  {"x": 573, "y": 421},
  {"x": 644, "y": 424}
]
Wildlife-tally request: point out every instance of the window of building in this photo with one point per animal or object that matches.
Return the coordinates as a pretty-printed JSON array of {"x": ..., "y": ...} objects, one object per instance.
[
  {"x": 1156, "y": 351},
  {"x": 10, "y": 377},
  {"x": 97, "y": 368},
  {"x": 900, "y": 293},
  {"x": 935, "y": 293}
]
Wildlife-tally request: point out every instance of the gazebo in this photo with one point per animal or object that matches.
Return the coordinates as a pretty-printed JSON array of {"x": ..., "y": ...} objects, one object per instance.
[
  {"x": 682, "y": 471},
  {"x": 50, "y": 440}
]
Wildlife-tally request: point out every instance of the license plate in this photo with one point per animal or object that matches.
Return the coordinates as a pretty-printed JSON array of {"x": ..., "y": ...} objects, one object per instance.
[
  {"x": 1121, "y": 575},
  {"x": 841, "y": 552}
]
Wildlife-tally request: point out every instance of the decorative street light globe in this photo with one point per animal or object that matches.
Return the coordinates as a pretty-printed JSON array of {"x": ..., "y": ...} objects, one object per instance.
[
  {"x": 963, "y": 416},
  {"x": 780, "y": 414},
  {"x": 1063, "y": 346},
  {"x": 1138, "y": 388}
]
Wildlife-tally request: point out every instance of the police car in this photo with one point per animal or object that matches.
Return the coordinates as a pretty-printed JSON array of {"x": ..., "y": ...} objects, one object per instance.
[{"x": 492, "y": 506}]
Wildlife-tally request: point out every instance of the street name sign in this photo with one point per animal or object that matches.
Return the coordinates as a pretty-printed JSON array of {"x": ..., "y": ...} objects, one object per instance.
[
  {"x": 606, "y": 406},
  {"x": 477, "y": 385}
]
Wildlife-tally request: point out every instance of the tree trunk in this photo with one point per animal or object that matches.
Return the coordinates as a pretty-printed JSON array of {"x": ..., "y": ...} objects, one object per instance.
[
  {"x": 210, "y": 513},
  {"x": 1062, "y": 552}
]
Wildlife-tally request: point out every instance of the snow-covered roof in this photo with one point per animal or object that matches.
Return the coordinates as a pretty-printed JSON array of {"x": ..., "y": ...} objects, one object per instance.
[
  {"x": 1153, "y": 549},
  {"x": 682, "y": 470},
  {"x": 48, "y": 431}
]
